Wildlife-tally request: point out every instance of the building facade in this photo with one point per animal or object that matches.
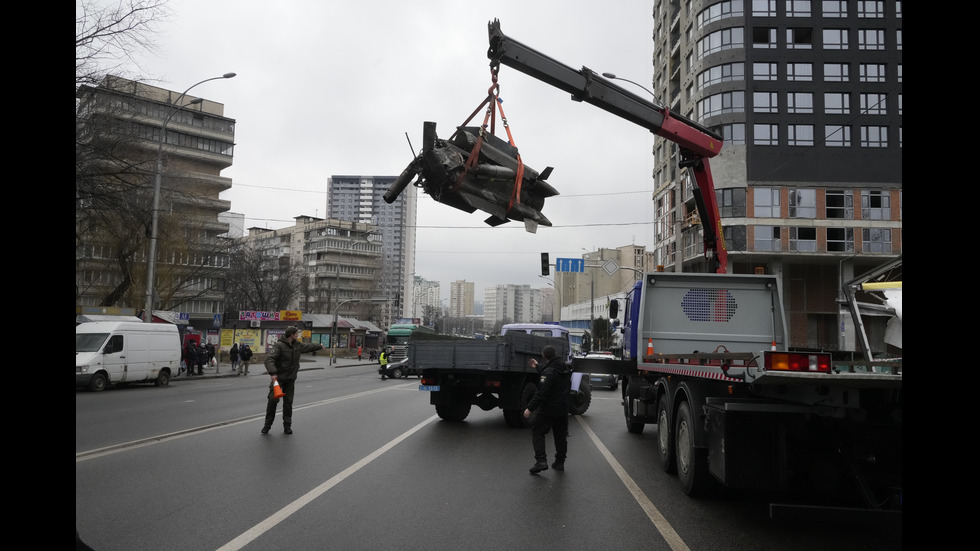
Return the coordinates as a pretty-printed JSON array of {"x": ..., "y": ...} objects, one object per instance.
[
  {"x": 461, "y": 298},
  {"x": 509, "y": 303},
  {"x": 360, "y": 199},
  {"x": 340, "y": 262},
  {"x": 808, "y": 97},
  {"x": 426, "y": 299},
  {"x": 129, "y": 124}
]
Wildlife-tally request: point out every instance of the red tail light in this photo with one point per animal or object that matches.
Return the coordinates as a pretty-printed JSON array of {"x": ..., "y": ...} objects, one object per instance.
[{"x": 798, "y": 361}]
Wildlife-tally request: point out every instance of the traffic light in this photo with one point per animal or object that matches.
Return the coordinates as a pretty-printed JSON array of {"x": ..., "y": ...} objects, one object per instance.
[{"x": 545, "y": 270}]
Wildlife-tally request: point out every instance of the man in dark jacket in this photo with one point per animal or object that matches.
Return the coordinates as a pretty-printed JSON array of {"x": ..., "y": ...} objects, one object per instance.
[
  {"x": 550, "y": 404},
  {"x": 282, "y": 363}
]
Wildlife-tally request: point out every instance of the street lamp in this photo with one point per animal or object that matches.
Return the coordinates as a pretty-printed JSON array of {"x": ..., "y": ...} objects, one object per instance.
[
  {"x": 151, "y": 261},
  {"x": 614, "y": 77}
]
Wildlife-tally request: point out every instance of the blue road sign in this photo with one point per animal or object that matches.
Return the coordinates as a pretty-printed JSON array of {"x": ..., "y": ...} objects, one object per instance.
[{"x": 569, "y": 264}]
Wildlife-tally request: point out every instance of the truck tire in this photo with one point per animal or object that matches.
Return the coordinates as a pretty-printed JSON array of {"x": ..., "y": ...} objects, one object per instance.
[
  {"x": 632, "y": 425},
  {"x": 455, "y": 412},
  {"x": 98, "y": 383},
  {"x": 163, "y": 378},
  {"x": 579, "y": 401},
  {"x": 515, "y": 417},
  {"x": 665, "y": 437},
  {"x": 692, "y": 462}
]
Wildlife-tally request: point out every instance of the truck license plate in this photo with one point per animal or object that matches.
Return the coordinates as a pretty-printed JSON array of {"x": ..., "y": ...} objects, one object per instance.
[{"x": 434, "y": 388}]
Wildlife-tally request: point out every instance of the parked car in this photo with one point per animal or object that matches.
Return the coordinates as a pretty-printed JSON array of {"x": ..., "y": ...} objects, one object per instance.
[{"x": 602, "y": 380}]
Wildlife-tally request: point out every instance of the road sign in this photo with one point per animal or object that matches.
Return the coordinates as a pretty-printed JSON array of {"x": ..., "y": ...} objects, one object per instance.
[{"x": 569, "y": 264}]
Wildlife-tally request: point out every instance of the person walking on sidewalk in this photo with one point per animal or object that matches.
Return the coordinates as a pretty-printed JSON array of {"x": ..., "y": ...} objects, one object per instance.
[
  {"x": 550, "y": 404},
  {"x": 282, "y": 363},
  {"x": 246, "y": 356},
  {"x": 233, "y": 356}
]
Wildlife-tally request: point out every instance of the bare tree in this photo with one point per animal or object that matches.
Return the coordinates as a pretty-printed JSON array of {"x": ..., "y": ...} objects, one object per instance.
[
  {"x": 256, "y": 283},
  {"x": 108, "y": 35}
]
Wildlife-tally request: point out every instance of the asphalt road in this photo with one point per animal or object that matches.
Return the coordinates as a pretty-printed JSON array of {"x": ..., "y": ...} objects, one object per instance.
[{"x": 371, "y": 467}]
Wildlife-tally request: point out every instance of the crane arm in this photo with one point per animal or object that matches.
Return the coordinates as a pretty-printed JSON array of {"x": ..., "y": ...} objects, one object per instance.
[{"x": 697, "y": 144}]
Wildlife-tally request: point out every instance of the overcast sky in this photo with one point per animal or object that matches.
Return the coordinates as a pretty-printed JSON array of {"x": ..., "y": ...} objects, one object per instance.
[{"x": 332, "y": 87}]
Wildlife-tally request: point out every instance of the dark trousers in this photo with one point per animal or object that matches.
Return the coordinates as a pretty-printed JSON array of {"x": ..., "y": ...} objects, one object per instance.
[
  {"x": 558, "y": 425},
  {"x": 287, "y": 404}
]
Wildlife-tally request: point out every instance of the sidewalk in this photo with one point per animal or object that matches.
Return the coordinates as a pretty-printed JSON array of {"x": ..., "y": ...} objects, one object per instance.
[{"x": 309, "y": 361}]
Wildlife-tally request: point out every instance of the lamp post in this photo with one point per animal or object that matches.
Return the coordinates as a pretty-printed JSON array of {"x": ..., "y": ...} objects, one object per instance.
[
  {"x": 151, "y": 261},
  {"x": 614, "y": 77}
]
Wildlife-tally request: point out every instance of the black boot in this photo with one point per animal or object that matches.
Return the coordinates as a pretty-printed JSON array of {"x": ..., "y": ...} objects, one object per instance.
[{"x": 538, "y": 467}]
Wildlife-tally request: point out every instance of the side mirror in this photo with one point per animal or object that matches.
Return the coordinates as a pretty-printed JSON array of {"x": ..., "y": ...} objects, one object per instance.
[{"x": 613, "y": 309}]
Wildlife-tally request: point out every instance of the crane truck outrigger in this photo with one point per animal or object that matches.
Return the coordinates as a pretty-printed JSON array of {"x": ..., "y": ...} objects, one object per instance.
[{"x": 706, "y": 355}]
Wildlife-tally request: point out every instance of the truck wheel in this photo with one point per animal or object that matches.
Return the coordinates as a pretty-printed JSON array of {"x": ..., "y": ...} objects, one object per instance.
[
  {"x": 665, "y": 438},
  {"x": 163, "y": 379},
  {"x": 579, "y": 401},
  {"x": 453, "y": 412},
  {"x": 515, "y": 417},
  {"x": 98, "y": 383},
  {"x": 692, "y": 462},
  {"x": 632, "y": 425}
]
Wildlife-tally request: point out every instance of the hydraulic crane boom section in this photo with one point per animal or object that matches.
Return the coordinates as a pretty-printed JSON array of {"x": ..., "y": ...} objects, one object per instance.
[{"x": 697, "y": 144}]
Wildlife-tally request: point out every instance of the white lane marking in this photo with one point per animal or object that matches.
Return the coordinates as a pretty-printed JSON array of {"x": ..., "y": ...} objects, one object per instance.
[
  {"x": 672, "y": 538},
  {"x": 136, "y": 444},
  {"x": 251, "y": 534}
]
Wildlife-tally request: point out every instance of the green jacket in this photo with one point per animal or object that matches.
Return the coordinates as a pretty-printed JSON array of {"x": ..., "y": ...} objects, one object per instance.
[{"x": 283, "y": 358}]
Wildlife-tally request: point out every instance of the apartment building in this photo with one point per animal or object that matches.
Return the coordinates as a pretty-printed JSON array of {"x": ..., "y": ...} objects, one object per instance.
[
  {"x": 426, "y": 299},
  {"x": 461, "y": 298},
  {"x": 122, "y": 127},
  {"x": 510, "y": 303},
  {"x": 340, "y": 262},
  {"x": 360, "y": 199},
  {"x": 808, "y": 97}
]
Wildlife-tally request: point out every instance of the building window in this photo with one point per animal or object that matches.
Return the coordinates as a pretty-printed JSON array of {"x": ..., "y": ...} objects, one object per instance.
[
  {"x": 797, "y": 8},
  {"x": 731, "y": 202},
  {"x": 765, "y": 71},
  {"x": 834, "y": 8},
  {"x": 799, "y": 135},
  {"x": 871, "y": 10},
  {"x": 836, "y": 72},
  {"x": 725, "y": 39},
  {"x": 735, "y": 237},
  {"x": 840, "y": 204},
  {"x": 876, "y": 205},
  {"x": 802, "y": 203},
  {"x": 873, "y": 104},
  {"x": 877, "y": 240},
  {"x": 721, "y": 10},
  {"x": 764, "y": 8},
  {"x": 764, "y": 37},
  {"x": 765, "y": 134},
  {"x": 835, "y": 39},
  {"x": 803, "y": 239},
  {"x": 840, "y": 240},
  {"x": 799, "y": 71},
  {"x": 799, "y": 102},
  {"x": 728, "y": 102},
  {"x": 871, "y": 39},
  {"x": 766, "y": 238},
  {"x": 721, "y": 73},
  {"x": 765, "y": 102},
  {"x": 874, "y": 136},
  {"x": 872, "y": 72},
  {"x": 733, "y": 134},
  {"x": 765, "y": 202},
  {"x": 800, "y": 38},
  {"x": 838, "y": 103}
]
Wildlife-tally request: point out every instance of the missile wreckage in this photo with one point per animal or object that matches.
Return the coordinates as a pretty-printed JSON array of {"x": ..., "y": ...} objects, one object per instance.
[
  {"x": 474, "y": 169},
  {"x": 477, "y": 170}
]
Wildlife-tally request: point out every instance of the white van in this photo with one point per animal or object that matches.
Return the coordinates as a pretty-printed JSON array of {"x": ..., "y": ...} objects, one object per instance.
[{"x": 110, "y": 352}]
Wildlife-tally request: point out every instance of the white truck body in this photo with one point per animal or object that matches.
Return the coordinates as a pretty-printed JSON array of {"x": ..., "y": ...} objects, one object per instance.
[{"x": 108, "y": 353}]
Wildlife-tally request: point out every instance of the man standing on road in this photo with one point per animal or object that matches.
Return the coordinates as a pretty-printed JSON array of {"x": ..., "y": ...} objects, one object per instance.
[
  {"x": 550, "y": 404},
  {"x": 282, "y": 363},
  {"x": 383, "y": 358}
]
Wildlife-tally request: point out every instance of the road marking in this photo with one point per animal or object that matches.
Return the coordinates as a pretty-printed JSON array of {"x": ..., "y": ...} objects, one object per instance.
[
  {"x": 282, "y": 514},
  {"x": 672, "y": 538},
  {"x": 136, "y": 444}
]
